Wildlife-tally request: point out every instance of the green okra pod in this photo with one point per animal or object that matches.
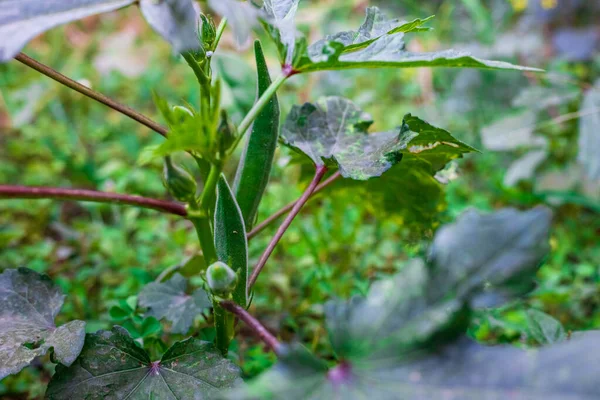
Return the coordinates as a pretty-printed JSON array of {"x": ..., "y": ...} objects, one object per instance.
[{"x": 257, "y": 158}]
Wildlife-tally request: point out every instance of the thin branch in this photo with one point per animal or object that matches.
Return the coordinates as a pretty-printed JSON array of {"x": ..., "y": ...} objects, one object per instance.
[
  {"x": 70, "y": 83},
  {"x": 560, "y": 119},
  {"x": 319, "y": 173},
  {"x": 30, "y": 192},
  {"x": 260, "y": 227},
  {"x": 258, "y": 328}
]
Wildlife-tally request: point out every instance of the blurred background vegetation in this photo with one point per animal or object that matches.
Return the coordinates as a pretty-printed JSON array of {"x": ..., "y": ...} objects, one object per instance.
[{"x": 536, "y": 133}]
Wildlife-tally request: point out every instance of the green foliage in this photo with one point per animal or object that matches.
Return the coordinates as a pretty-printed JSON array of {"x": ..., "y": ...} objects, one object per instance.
[
  {"x": 335, "y": 131},
  {"x": 170, "y": 301},
  {"x": 356, "y": 300},
  {"x": 111, "y": 365},
  {"x": 30, "y": 302},
  {"x": 463, "y": 370},
  {"x": 379, "y": 42}
]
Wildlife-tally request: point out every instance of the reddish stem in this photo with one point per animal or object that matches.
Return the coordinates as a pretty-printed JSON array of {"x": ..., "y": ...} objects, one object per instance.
[
  {"x": 30, "y": 192},
  {"x": 319, "y": 173},
  {"x": 260, "y": 227},
  {"x": 99, "y": 97},
  {"x": 258, "y": 328}
]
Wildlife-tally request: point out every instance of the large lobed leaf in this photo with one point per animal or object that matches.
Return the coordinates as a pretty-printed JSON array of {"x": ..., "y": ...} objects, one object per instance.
[
  {"x": 335, "y": 131},
  {"x": 463, "y": 370},
  {"x": 29, "y": 302},
  {"x": 491, "y": 254},
  {"x": 112, "y": 366},
  {"x": 242, "y": 16},
  {"x": 280, "y": 23},
  {"x": 169, "y": 300},
  {"x": 378, "y": 42},
  {"x": 22, "y": 20},
  {"x": 386, "y": 342}
]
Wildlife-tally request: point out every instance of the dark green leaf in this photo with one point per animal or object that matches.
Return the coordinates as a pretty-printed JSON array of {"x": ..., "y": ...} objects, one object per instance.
[
  {"x": 335, "y": 130},
  {"x": 169, "y": 300},
  {"x": 29, "y": 302},
  {"x": 119, "y": 314},
  {"x": 434, "y": 145},
  {"x": 545, "y": 329},
  {"x": 395, "y": 317},
  {"x": 464, "y": 370},
  {"x": 112, "y": 366},
  {"x": 490, "y": 254},
  {"x": 379, "y": 42},
  {"x": 150, "y": 326},
  {"x": 230, "y": 239},
  {"x": 589, "y": 138},
  {"x": 409, "y": 191},
  {"x": 257, "y": 158}
]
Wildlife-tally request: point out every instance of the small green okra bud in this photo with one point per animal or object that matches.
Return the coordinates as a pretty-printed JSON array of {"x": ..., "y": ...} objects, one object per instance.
[
  {"x": 226, "y": 132},
  {"x": 180, "y": 183},
  {"x": 208, "y": 31},
  {"x": 221, "y": 278}
]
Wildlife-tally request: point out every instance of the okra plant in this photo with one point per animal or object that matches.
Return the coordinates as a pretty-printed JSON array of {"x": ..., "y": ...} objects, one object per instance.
[{"x": 405, "y": 340}]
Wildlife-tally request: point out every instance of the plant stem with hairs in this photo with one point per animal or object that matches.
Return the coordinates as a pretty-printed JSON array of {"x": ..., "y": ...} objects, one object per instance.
[
  {"x": 319, "y": 173},
  {"x": 261, "y": 332},
  {"x": 92, "y": 94},
  {"x": 36, "y": 192}
]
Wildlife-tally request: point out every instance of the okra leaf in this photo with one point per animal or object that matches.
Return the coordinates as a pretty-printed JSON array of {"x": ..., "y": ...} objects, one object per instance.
[
  {"x": 231, "y": 242},
  {"x": 175, "y": 20},
  {"x": 279, "y": 21},
  {"x": 379, "y": 42},
  {"x": 462, "y": 370},
  {"x": 395, "y": 317},
  {"x": 334, "y": 131},
  {"x": 170, "y": 301},
  {"x": 408, "y": 193},
  {"x": 589, "y": 136},
  {"x": 186, "y": 133},
  {"x": 478, "y": 255},
  {"x": 22, "y": 20},
  {"x": 111, "y": 365},
  {"x": 491, "y": 255},
  {"x": 242, "y": 16},
  {"x": 256, "y": 161},
  {"x": 544, "y": 328},
  {"x": 29, "y": 302}
]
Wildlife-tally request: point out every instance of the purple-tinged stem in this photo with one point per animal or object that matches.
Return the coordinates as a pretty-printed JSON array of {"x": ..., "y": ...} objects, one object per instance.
[
  {"x": 258, "y": 328},
  {"x": 33, "y": 192},
  {"x": 319, "y": 173},
  {"x": 99, "y": 97},
  {"x": 260, "y": 227}
]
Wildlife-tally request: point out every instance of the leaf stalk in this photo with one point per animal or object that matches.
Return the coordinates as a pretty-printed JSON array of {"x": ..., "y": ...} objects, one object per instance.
[{"x": 319, "y": 173}]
